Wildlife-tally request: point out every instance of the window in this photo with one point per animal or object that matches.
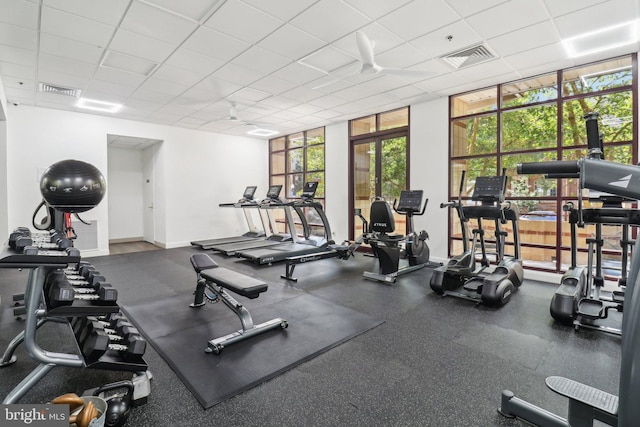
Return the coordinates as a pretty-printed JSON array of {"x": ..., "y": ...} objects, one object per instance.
[
  {"x": 379, "y": 162},
  {"x": 542, "y": 119},
  {"x": 296, "y": 159}
]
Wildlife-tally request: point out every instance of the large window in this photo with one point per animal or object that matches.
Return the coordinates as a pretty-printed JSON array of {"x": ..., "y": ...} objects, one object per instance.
[
  {"x": 296, "y": 159},
  {"x": 542, "y": 119}
]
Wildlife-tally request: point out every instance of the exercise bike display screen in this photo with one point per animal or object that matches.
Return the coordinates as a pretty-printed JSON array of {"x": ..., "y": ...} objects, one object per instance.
[
  {"x": 249, "y": 192},
  {"x": 410, "y": 200},
  {"x": 274, "y": 191},
  {"x": 488, "y": 188}
]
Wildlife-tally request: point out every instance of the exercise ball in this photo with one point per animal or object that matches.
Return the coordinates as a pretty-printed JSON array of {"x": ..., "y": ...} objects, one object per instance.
[{"x": 72, "y": 186}]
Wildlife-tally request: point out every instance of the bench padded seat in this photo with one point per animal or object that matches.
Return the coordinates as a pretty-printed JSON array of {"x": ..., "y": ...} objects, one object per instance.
[{"x": 235, "y": 282}]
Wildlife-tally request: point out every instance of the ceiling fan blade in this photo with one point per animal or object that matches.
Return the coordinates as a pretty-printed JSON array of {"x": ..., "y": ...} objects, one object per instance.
[
  {"x": 407, "y": 73},
  {"x": 366, "y": 53}
]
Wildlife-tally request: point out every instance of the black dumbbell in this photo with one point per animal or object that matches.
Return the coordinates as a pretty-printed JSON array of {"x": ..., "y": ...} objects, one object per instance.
[
  {"x": 61, "y": 294},
  {"x": 18, "y": 232},
  {"x": 96, "y": 342}
]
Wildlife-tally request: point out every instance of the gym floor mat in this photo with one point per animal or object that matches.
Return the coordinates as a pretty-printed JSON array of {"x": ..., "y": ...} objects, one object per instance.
[{"x": 180, "y": 334}]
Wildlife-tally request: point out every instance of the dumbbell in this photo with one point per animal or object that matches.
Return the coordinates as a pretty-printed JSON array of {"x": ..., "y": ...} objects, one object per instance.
[
  {"x": 61, "y": 293},
  {"x": 21, "y": 242},
  {"x": 117, "y": 326},
  {"x": 95, "y": 342},
  {"x": 18, "y": 232}
]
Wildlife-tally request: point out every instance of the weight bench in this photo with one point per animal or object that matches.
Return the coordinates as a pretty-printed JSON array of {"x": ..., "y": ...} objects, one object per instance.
[{"x": 218, "y": 280}]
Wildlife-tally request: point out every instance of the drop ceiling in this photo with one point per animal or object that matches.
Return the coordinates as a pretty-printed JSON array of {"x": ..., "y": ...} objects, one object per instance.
[{"x": 285, "y": 65}]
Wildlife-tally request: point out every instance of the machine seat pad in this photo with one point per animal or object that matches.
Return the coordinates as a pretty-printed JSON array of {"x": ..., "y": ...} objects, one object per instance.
[
  {"x": 235, "y": 282},
  {"x": 202, "y": 262}
]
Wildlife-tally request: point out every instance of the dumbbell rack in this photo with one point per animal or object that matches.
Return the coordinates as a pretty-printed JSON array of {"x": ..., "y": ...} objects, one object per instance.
[{"x": 40, "y": 263}]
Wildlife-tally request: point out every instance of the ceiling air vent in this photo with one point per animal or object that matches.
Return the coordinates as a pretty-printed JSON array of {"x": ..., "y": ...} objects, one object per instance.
[
  {"x": 468, "y": 56},
  {"x": 59, "y": 90}
]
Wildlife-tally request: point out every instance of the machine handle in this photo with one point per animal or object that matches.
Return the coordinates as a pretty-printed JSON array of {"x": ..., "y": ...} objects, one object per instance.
[{"x": 571, "y": 167}]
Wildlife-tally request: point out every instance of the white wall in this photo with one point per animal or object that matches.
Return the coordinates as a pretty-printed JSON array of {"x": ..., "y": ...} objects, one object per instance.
[
  {"x": 337, "y": 179},
  {"x": 4, "y": 221},
  {"x": 195, "y": 170},
  {"x": 125, "y": 193},
  {"x": 429, "y": 157}
]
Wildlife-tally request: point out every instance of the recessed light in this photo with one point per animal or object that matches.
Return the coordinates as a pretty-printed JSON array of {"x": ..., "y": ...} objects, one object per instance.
[
  {"x": 601, "y": 40},
  {"x": 262, "y": 132},
  {"x": 94, "y": 104}
]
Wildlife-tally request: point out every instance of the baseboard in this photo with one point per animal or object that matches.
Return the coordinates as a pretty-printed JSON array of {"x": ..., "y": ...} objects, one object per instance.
[{"x": 126, "y": 240}]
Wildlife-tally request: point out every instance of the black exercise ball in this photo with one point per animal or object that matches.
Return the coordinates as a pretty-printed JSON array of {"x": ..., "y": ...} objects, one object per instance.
[{"x": 72, "y": 186}]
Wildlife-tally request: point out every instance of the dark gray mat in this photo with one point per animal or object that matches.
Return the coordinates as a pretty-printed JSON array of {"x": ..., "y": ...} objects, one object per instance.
[{"x": 180, "y": 334}]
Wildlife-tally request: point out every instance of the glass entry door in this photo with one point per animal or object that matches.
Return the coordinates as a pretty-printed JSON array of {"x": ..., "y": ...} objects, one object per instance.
[{"x": 379, "y": 170}]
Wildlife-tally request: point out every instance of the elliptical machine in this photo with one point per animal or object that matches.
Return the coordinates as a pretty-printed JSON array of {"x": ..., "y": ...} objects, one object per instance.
[
  {"x": 459, "y": 277},
  {"x": 390, "y": 248}
]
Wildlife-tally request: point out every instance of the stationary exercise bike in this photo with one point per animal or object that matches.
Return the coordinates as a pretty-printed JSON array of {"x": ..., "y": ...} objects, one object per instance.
[
  {"x": 459, "y": 277},
  {"x": 389, "y": 248}
]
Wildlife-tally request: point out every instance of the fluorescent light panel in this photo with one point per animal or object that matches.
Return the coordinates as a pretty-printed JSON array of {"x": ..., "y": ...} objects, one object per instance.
[
  {"x": 262, "y": 132},
  {"x": 96, "y": 105},
  {"x": 601, "y": 40}
]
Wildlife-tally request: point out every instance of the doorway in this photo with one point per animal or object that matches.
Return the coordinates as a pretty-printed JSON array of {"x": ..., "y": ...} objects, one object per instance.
[
  {"x": 131, "y": 183},
  {"x": 379, "y": 169}
]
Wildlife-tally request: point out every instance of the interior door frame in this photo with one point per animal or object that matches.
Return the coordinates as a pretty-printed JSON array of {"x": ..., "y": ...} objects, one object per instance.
[{"x": 376, "y": 137}]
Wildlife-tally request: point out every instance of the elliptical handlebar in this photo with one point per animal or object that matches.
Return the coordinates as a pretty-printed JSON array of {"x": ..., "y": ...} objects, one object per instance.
[{"x": 557, "y": 169}]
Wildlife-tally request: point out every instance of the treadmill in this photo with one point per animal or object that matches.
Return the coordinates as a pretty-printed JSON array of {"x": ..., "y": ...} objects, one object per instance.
[
  {"x": 309, "y": 246},
  {"x": 265, "y": 207},
  {"x": 245, "y": 202}
]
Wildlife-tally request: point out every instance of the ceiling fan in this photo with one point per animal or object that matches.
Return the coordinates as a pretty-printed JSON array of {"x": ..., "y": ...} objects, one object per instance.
[{"x": 369, "y": 65}]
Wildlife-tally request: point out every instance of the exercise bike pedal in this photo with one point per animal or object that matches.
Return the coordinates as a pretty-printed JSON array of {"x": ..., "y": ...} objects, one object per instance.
[{"x": 591, "y": 308}]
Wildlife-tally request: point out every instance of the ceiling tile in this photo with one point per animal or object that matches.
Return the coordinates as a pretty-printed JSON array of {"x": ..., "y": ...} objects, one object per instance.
[
  {"x": 109, "y": 88},
  {"x": 63, "y": 79},
  {"x": 18, "y": 56},
  {"x": 485, "y": 70},
  {"x": 149, "y": 95},
  {"x": 588, "y": 19},
  {"x": 252, "y": 27},
  {"x": 467, "y": 8},
  {"x": 178, "y": 75},
  {"x": 418, "y": 18},
  {"x": 559, "y": 8},
  {"x": 75, "y": 27},
  {"x": 19, "y": 37},
  {"x": 305, "y": 109},
  {"x": 537, "y": 56},
  {"x": 404, "y": 92},
  {"x": 212, "y": 89},
  {"x": 138, "y": 45},
  {"x": 441, "y": 82},
  {"x": 190, "y": 60},
  {"x": 262, "y": 60},
  {"x": 501, "y": 19},
  {"x": 193, "y": 9},
  {"x": 437, "y": 43},
  {"x": 302, "y": 94},
  {"x": 281, "y": 9},
  {"x": 236, "y": 74},
  {"x": 65, "y": 65},
  {"x": 375, "y": 9},
  {"x": 381, "y": 38},
  {"x": 343, "y": 19},
  {"x": 20, "y": 12},
  {"x": 109, "y": 13},
  {"x": 297, "y": 73},
  {"x": 328, "y": 101},
  {"x": 273, "y": 85},
  {"x": 328, "y": 114},
  {"x": 72, "y": 49},
  {"x": 291, "y": 42},
  {"x": 163, "y": 86},
  {"x": 156, "y": 23},
  {"x": 327, "y": 59},
  {"x": 401, "y": 57},
  {"x": 215, "y": 44},
  {"x": 280, "y": 102},
  {"x": 120, "y": 77},
  {"x": 248, "y": 95},
  {"x": 528, "y": 38}
]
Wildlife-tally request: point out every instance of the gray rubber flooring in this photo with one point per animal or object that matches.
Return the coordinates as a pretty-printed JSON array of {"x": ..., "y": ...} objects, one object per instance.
[{"x": 434, "y": 362}]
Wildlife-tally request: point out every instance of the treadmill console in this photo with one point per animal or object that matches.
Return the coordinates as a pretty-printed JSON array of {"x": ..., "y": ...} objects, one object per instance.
[
  {"x": 274, "y": 192},
  {"x": 309, "y": 190},
  {"x": 410, "y": 200},
  {"x": 249, "y": 192},
  {"x": 488, "y": 189}
]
